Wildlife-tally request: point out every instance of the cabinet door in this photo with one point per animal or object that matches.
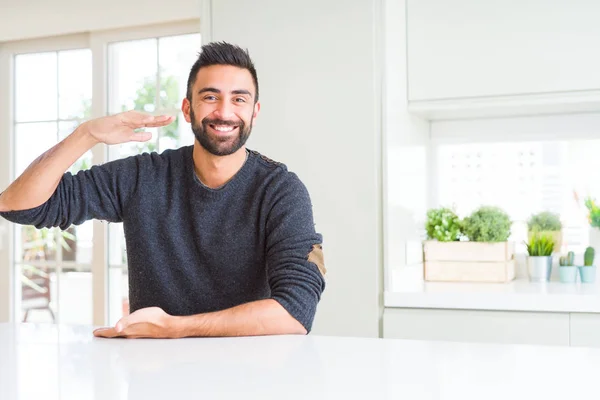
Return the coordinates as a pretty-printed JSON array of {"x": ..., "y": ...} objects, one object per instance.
[
  {"x": 466, "y": 48},
  {"x": 477, "y": 326},
  {"x": 585, "y": 330}
]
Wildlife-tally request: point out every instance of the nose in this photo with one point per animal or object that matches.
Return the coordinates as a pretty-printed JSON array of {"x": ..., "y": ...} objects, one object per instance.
[{"x": 224, "y": 110}]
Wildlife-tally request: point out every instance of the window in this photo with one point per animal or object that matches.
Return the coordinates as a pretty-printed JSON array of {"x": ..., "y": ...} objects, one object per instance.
[
  {"x": 51, "y": 86},
  {"x": 53, "y": 93},
  {"x": 522, "y": 178}
]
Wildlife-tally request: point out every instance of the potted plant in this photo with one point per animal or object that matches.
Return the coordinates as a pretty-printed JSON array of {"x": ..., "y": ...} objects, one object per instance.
[
  {"x": 539, "y": 261},
  {"x": 487, "y": 224},
  {"x": 567, "y": 269},
  {"x": 546, "y": 222},
  {"x": 443, "y": 225},
  {"x": 588, "y": 270},
  {"x": 485, "y": 254}
]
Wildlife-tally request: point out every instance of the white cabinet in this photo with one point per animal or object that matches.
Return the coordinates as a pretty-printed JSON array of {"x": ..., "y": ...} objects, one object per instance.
[
  {"x": 478, "y": 49},
  {"x": 477, "y": 326},
  {"x": 585, "y": 329}
]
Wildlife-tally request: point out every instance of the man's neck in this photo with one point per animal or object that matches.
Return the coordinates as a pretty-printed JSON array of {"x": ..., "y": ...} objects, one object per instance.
[{"x": 215, "y": 171}]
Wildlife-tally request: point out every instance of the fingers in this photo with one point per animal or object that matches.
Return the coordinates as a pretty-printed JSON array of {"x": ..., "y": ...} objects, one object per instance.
[
  {"x": 138, "y": 330},
  {"x": 137, "y": 119},
  {"x": 157, "y": 121},
  {"x": 132, "y": 331},
  {"x": 106, "y": 333}
]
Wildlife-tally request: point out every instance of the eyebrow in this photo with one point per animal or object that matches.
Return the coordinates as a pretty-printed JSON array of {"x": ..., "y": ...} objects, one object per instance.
[
  {"x": 241, "y": 91},
  {"x": 215, "y": 90}
]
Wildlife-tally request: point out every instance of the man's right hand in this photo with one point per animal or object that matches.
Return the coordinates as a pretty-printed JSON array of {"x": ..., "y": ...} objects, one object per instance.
[{"x": 120, "y": 128}]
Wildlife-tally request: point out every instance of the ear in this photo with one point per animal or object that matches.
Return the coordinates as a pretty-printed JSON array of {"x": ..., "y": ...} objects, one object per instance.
[
  {"x": 256, "y": 110},
  {"x": 185, "y": 107}
]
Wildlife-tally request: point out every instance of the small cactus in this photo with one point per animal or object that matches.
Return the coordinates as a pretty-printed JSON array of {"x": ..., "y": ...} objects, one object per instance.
[
  {"x": 571, "y": 258},
  {"x": 588, "y": 257},
  {"x": 562, "y": 261},
  {"x": 568, "y": 260}
]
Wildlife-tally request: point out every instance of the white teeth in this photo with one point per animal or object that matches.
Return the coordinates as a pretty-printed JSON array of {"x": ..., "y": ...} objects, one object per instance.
[{"x": 224, "y": 128}]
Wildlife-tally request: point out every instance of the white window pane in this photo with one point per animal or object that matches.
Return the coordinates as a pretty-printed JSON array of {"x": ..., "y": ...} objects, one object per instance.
[
  {"x": 77, "y": 243},
  {"x": 179, "y": 133},
  {"x": 75, "y": 295},
  {"x": 36, "y": 91},
  {"x": 118, "y": 294},
  {"x": 132, "y": 75},
  {"x": 75, "y": 84},
  {"x": 177, "y": 55},
  {"x": 31, "y": 141},
  {"x": 185, "y": 133}
]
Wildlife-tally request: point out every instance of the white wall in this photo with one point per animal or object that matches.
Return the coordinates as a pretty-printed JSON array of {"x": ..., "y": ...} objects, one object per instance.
[
  {"x": 466, "y": 48},
  {"x": 38, "y": 18},
  {"x": 318, "y": 68},
  {"x": 406, "y": 156}
]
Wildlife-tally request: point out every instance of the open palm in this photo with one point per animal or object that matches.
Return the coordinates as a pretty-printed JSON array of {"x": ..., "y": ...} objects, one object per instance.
[{"x": 121, "y": 128}]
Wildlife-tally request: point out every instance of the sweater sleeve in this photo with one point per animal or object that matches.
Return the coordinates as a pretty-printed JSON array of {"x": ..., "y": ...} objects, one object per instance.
[
  {"x": 102, "y": 192},
  {"x": 295, "y": 264}
]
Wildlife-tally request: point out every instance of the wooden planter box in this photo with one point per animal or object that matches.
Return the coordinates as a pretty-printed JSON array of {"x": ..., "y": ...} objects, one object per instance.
[{"x": 468, "y": 261}]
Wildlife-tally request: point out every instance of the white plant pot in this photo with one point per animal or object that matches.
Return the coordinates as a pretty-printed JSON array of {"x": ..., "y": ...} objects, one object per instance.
[
  {"x": 539, "y": 268},
  {"x": 595, "y": 239}
]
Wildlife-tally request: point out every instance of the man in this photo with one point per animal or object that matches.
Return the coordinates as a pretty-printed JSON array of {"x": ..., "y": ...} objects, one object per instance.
[{"x": 220, "y": 239}]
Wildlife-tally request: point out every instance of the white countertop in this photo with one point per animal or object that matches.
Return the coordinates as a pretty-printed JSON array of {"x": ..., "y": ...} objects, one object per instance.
[
  {"x": 61, "y": 362},
  {"x": 407, "y": 291}
]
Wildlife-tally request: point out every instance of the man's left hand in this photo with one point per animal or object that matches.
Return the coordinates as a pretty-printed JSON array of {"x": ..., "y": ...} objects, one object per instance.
[{"x": 151, "y": 322}]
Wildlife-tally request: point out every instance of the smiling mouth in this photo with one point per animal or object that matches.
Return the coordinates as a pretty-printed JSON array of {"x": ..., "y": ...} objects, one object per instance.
[{"x": 223, "y": 128}]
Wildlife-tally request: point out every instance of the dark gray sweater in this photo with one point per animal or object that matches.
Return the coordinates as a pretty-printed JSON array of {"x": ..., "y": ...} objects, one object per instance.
[{"x": 192, "y": 249}]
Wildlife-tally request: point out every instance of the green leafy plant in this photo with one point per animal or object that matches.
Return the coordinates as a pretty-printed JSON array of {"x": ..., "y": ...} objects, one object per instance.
[
  {"x": 487, "y": 224},
  {"x": 593, "y": 212},
  {"x": 544, "y": 221},
  {"x": 540, "y": 245},
  {"x": 588, "y": 257},
  {"x": 568, "y": 260},
  {"x": 443, "y": 225}
]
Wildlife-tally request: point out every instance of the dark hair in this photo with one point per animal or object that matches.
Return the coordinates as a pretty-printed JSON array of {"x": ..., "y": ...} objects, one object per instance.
[{"x": 222, "y": 53}]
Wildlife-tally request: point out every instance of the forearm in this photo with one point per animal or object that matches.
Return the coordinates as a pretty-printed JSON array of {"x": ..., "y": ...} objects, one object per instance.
[
  {"x": 39, "y": 181},
  {"x": 262, "y": 317}
]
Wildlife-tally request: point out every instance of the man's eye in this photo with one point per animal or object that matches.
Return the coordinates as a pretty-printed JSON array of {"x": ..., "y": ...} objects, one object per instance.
[
  {"x": 240, "y": 100},
  {"x": 210, "y": 98}
]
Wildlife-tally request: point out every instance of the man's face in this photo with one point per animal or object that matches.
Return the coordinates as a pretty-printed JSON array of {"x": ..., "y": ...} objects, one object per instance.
[{"x": 222, "y": 109}]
